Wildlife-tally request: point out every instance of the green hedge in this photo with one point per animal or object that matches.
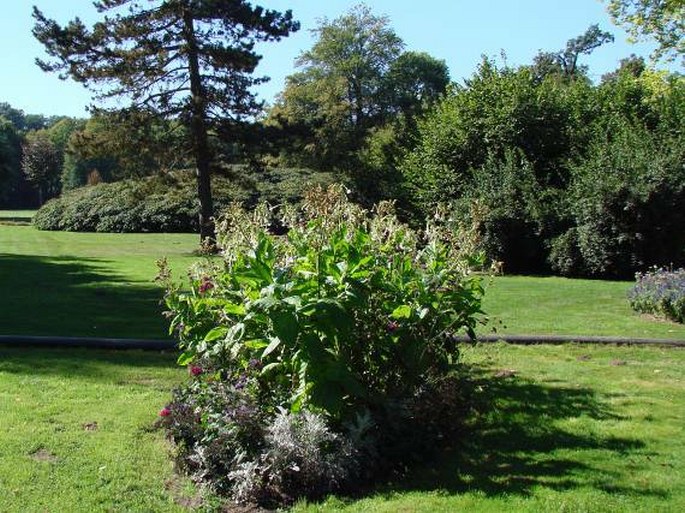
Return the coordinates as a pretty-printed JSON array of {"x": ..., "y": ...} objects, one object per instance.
[{"x": 167, "y": 203}]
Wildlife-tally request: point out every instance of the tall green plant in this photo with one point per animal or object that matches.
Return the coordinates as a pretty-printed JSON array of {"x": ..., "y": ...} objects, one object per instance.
[{"x": 348, "y": 312}]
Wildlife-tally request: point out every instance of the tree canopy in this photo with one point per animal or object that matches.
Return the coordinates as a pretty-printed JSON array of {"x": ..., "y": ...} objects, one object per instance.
[
  {"x": 41, "y": 163},
  {"x": 662, "y": 20},
  {"x": 188, "y": 59},
  {"x": 355, "y": 79},
  {"x": 565, "y": 61}
]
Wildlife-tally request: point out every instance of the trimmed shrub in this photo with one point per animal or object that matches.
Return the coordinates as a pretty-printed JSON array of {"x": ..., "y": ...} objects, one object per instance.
[
  {"x": 352, "y": 316},
  {"x": 167, "y": 203},
  {"x": 660, "y": 292}
]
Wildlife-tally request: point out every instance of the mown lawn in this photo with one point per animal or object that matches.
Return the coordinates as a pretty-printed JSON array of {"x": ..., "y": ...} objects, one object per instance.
[
  {"x": 86, "y": 284},
  {"x": 24, "y": 215},
  {"x": 561, "y": 429},
  {"x": 76, "y": 432},
  {"x": 562, "y": 306},
  {"x": 89, "y": 284},
  {"x": 557, "y": 429}
]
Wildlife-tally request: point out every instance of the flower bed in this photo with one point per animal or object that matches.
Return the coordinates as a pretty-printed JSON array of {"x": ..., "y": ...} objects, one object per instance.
[
  {"x": 320, "y": 357},
  {"x": 660, "y": 292}
]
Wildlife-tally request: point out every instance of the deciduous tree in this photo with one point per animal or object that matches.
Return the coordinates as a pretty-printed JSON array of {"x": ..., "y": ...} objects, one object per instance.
[
  {"x": 662, "y": 20},
  {"x": 41, "y": 163}
]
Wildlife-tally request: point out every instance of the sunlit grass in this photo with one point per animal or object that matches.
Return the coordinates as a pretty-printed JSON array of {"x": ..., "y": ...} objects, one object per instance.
[
  {"x": 102, "y": 284},
  {"x": 562, "y": 306},
  {"x": 559, "y": 429},
  {"x": 76, "y": 431}
]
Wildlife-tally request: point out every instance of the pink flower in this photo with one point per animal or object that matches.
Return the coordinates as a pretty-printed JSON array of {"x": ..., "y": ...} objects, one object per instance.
[
  {"x": 164, "y": 412},
  {"x": 205, "y": 285},
  {"x": 195, "y": 370}
]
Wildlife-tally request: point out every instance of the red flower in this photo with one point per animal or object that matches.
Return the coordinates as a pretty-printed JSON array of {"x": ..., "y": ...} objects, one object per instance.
[
  {"x": 164, "y": 412},
  {"x": 195, "y": 370},
  {"x": 205, "y": 285}
]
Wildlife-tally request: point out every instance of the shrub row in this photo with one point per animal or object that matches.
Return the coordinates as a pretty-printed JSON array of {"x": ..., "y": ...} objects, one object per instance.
[
  {"x": 570, "y": 178},
  {"x": 167, "y": 203}
]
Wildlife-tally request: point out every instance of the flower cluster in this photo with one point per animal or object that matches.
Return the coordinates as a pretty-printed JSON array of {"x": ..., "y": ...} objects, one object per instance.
[
  {"x": 195, "y": 370},
  {"x": 206, "y": 285},
  {"x": 660, "y": 292}
]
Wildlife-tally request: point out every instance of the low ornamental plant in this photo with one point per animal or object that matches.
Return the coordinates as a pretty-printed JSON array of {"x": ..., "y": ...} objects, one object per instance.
[
  {"x": 660, "y": 292},
  {"x": 343, "y": 330}
]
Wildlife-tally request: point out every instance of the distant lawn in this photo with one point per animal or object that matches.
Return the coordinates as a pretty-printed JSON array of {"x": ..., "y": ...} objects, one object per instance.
[
  {"x": 85, "y": 284},
  {"x": 17, "y": 214},
  {"x": 76, "y": 431},
  {"x": 90, "y": 284},
  {"x": 13, "y": 217},
  {"x": 564, "y": 306},
  {"x": 562, "y": 429}
]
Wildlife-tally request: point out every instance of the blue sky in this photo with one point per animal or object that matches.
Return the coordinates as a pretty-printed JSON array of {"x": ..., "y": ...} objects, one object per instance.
[{"x": 458, "y": 31}]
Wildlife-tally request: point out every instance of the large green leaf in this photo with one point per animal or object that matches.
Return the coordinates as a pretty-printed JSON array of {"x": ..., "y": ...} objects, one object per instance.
[{"x": 401, "y": 312}]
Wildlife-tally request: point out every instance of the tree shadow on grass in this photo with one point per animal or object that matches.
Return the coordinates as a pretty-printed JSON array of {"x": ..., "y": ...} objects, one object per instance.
[
  {"x": 78, "y": 297},
  {"x": 515, "y": 443},
  {"x": 83, "y": 363}
]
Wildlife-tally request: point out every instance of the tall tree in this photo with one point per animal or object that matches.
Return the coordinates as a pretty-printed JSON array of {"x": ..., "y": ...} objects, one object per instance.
[
  {"x": 662, "y": 20},
  {"x": 565, "y": 62},
  {"x": 355, "y": 50},
  {"x": 414, "y": 81},
  {"x": 336, "y": 96},
  {"x": 188, "y": 59},
  {"x": 353, "y": 82},
  {"x": 10, "y": 163},
  {"x": 41, "y": 162}
]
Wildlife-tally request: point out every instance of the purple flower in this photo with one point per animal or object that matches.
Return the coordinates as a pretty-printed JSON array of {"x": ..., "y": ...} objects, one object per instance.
[
  {"x": 240, "y": 383},
  {"x": 392, "y": 326}
]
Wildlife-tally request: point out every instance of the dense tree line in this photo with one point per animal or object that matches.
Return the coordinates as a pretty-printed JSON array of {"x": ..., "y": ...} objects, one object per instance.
[
  {"x": 570, "y": 177},
  {"x": 565, "y": 175}
]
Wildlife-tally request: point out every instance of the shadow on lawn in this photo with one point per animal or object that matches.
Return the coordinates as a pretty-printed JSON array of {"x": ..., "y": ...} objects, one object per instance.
[
  {"x": 514, "y": 445},
  {"x": 80, "y": 297},
  {"x": 82, "y": 363}
]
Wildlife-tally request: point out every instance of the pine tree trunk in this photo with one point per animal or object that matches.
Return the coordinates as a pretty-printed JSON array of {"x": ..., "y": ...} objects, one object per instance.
[{"x": 198, "y": 131}]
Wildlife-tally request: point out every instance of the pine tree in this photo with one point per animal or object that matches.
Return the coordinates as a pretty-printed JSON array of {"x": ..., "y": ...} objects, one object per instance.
[{"x": 192, "y": 60}]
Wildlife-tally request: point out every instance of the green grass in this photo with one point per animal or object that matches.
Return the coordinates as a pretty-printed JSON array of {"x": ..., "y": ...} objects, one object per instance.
[
  {"x": 16, "y": 217},
  {"x": 76, "y": 431},
  {"x": 575, "y": 429},
  {"x": 85, "y": 284},
  {"x": 564, "y": 429},
  {"x": 562, "y": 306},
  {"x": 17, "y": 214}
]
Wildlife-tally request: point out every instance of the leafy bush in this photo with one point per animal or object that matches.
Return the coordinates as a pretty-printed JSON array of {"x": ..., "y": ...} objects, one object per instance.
[
  {"x": 660, "y": 292},
  {"x": 350, "y": 316},
  {"x": 508, "y": 198},
  {"x": 626, "y": 203},
  {"x": 166, "y": 203}
]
